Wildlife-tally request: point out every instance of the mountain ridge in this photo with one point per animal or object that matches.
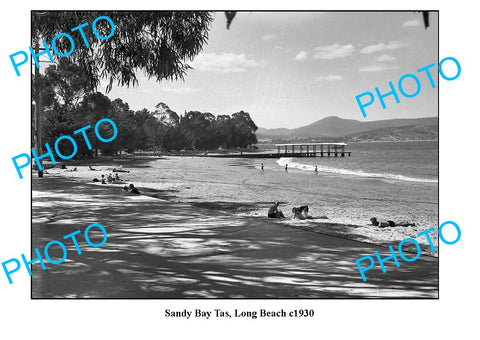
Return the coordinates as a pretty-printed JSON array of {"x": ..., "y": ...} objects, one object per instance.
[{"x": 335, "y": 127}]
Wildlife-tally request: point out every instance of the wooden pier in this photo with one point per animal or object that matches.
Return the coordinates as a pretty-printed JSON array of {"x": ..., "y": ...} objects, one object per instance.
[
  {"x": 292, "y": 150},
  {"x": 312, "y": 150}
]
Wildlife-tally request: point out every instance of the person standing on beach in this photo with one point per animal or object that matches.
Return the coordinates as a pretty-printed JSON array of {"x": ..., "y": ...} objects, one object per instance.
[
  {"x": 262, "y": 167},
  {"x": 286, "y": 167},
  {"x": 316, "y": 170}
]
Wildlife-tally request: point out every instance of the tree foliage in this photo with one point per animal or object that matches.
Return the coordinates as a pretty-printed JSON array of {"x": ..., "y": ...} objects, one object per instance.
[
  {"x": 159, "y": 43},
  {"x": 68, "y": 107}
]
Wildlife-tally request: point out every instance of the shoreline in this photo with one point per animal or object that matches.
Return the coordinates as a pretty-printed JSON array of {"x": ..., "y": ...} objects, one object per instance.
[
  {"x": 156, "y": 247},
  {"x": 238, "y": 187},
  {"x": 335, "y": 228},
  {"x": 368, "y": 141}
]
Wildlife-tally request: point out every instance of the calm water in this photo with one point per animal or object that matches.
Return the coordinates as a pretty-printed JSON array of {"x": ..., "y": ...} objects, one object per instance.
[{"x": 415, "y": 161}]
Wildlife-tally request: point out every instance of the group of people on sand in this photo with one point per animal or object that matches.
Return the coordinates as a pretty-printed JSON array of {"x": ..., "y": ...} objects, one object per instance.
[
  {"x": 110, "y": 179},
  {"x": 300, "y": 213},
  {"x": 115, "y": 180},
  {"x": 132, "y": 189}
]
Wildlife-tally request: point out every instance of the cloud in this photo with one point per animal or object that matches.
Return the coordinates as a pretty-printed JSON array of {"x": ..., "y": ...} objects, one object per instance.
[
  {"x": 392, "y": 45},
  {"x": 411, "y": 23},
  {"x": 378, "y": 68},
  {"x": 301, "y": 56},
  {"x": 180, "y": 90},
  {"x": 385, "y": 58},
  {"x": 334, "y": 51},
  {"x": 268, "y": 37},
  {"x": 331, "y": 77},
  {"x": 223, "y": 62}
]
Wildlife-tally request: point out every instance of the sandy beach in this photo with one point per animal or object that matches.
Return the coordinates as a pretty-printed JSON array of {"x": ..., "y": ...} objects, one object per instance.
[
  {"x": 238, "y": 187},
  {"x": 159, "y": 248}
]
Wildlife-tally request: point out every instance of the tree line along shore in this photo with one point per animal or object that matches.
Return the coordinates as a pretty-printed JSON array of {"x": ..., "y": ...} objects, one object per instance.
[{"x": 70, "y": 103}]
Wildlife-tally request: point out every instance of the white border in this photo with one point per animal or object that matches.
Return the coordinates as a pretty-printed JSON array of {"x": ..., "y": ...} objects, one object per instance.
[{"x": 454, "y": 315}]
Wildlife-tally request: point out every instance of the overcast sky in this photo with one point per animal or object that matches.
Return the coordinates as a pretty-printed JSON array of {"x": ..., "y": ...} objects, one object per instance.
[{"x": 291, "y": 69}]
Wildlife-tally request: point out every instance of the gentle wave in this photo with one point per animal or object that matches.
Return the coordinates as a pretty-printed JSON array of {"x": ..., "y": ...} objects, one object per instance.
[{"x": 306, "y": 167}]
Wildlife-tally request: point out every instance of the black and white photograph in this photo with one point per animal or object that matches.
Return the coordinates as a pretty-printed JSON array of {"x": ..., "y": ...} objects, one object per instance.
[
  {"x": 234, "y": 154},
  {"x": 240, "y": 170}
]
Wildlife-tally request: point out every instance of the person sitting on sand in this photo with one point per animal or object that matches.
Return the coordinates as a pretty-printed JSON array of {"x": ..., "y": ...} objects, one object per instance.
[
  {"x": 134, "y": 190},
  {"x": 117, "y": 178},
  {"x": 389, "y": 223},
  {"x": 273, "y": 211},
  {"x": 110, "y": 179}
]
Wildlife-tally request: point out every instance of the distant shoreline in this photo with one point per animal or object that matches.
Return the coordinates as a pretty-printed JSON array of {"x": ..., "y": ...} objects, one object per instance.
[
  {"x": 146, "y": 156},
  {"x": 395, "y": 141},
  {"x": 361, "y": 141}
]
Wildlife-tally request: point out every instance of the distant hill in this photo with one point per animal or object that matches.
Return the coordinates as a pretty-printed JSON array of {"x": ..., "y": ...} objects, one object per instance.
[
  {"x": 410, "y": 132},
  {"x": 335, "y": 127}
]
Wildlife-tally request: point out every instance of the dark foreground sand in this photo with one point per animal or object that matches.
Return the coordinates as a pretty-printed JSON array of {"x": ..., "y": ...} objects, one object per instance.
[{"x": 159, "y": 249}]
